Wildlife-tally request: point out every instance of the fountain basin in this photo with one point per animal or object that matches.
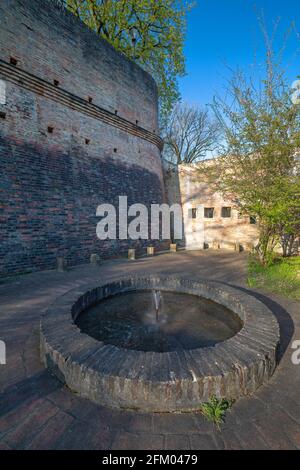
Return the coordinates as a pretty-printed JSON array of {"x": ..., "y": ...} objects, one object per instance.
[
  {"x": 109, "y": 372},
  {"x": 132, "y": 320}
]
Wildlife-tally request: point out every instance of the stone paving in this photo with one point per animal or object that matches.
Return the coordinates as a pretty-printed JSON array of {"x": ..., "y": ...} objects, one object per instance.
[{"x": 38, "y": 412}]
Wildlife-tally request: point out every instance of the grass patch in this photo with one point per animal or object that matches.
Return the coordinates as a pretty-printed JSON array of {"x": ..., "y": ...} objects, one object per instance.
[
  {"x": 215, "y": 410},
  {"x": 281, "y": 277}
]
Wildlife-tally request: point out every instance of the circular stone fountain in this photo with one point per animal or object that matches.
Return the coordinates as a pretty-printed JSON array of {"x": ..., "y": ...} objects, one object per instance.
[{"x": 159, "y": 343}]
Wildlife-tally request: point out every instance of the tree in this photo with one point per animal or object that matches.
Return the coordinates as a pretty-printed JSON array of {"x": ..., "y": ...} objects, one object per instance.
[
  {"x": 150, "y": 32},
  {"x": 256, "y": 170},
  {"x": 189, "y": 134},
  {"x": 289, "y": 220}
]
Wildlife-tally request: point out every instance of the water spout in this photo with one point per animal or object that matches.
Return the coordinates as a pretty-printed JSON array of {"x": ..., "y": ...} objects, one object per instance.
[{"x": 157, "y": 303}]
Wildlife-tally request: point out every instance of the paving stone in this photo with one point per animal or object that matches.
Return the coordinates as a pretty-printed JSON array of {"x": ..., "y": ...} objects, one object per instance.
[
  {"x": 82, "y": 436},
  {"x": 21, "y": 436},
  {"x": 38, "y": 385},
  {"x": 243, "y": 412},
  {"x": 51, "y": 432},
  {"x": 15, "y": 416},
  {"x": 141, "y": 423},
  {"x": 250, "y": 438},
  {"x": 275, "y": 437},
  {"x": 140, "y": 441},
  {"x": 113, "y": 418},
  {"x": 203, "y": 425},
  {"x": 169, "y": 423},
  {"x": 286, "y": 436},
  {"x": 230, "y": 439},
  {"x": 203, "y": 442},
  {"x": 177, "y": 441}
]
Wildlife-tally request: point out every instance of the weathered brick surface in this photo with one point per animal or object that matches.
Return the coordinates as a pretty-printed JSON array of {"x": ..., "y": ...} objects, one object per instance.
[
  {"x": 52, "y": 183},
  {"x": 53, "y": 44}
]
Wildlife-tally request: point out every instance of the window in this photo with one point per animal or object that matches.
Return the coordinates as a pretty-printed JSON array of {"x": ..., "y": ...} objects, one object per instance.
[
  {"x": 209, "y": 212},
  {"x": 13, "y": 61},
  {"x": 226, "y": 212},
  {"x": 90, "y": 99},
  {"x": 87, "y": 141},
  {"x": 193, "y": 213},
  {"x": 252, "y": 220},
  {"x": 55, "y": 82},
  {"x": 50, "y": 129}
]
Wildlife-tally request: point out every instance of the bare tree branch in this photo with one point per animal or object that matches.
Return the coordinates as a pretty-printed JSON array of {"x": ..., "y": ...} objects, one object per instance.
[{"x": 190, "y": 134}]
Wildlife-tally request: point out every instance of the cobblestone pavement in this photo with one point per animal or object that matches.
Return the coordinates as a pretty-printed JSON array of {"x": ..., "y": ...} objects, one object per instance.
[{"x": 38, "y": 412}]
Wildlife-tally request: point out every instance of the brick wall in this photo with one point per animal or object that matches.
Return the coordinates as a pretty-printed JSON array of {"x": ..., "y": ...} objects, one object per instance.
[
  {"x": 52, "y": 183},
  {"x": 55, "y": 45}
]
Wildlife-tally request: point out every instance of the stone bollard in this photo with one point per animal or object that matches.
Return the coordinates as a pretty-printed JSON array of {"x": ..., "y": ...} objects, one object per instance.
[
  {"x": 61, "y": 264},
  {"x": 95, "y": 259},
  {"x": 150, "y": 250},
  {"x": 131, "y": 254},
  {"x": 173, "y": 247}
]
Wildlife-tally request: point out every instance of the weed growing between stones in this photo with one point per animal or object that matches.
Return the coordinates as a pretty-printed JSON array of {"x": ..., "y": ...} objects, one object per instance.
[{"x": 215, "y": 410}]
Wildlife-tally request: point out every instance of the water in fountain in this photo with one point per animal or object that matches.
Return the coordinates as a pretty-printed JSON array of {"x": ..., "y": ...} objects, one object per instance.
[{"x": 157, "y": 303}]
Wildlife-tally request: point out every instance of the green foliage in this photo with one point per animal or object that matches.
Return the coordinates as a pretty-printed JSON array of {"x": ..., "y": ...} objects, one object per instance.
[
  {"x": 150, "y": 32},
  {"x": 258, "y": 168},
  {"x": 281, "y": 276},
  {"x": 215, "y": 410}
]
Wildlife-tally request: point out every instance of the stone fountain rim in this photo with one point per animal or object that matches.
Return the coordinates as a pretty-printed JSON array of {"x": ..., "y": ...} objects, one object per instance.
[{"x": 75, "y": 356}]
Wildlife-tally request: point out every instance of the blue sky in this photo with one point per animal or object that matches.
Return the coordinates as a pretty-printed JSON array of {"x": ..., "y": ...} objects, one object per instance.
[{"x": 224, "y": 33}]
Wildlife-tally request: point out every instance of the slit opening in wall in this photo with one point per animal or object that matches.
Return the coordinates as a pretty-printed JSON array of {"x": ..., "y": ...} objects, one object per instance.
[
  {"x": 56, "y": 82},
  {"x": 13, "y": 61},
  {"x": 115, "y": 150},
  {"x": 2, "y": 115},
  {"x": 87, "y": 141},
  {"x": 137, "y": 122},
  {"x": 90, "y": 99},
  {"x": 50, "y": 129},
  {"x": 116, "y": 112}
]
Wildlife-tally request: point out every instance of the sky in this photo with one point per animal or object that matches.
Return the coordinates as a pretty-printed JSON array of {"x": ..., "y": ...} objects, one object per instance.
[{"x": 224, "y": 34}]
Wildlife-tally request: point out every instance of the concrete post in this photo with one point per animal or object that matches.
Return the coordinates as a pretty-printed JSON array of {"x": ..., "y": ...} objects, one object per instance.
[
  {"x": 61, "y": 264},
  {"x": 94, "y": 259},
  {"x": 131, "y": 254},
  {"x": 150, "y": 250}
]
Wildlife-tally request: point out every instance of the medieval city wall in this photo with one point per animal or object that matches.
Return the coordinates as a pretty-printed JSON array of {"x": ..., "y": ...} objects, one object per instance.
[{"x": 78, "y": 127}]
